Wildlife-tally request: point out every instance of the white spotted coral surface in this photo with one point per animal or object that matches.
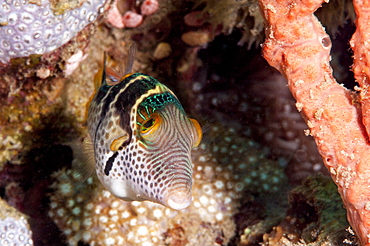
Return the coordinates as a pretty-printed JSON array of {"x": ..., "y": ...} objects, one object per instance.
[
  {"x": 32, "y": 28},
  {"x": 86, "y": 213},
  {"x": 14, "y": 228}
]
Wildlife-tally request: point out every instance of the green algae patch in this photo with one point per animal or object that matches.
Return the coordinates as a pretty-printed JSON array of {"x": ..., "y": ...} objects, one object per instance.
[{"x": 321, "y": 194}]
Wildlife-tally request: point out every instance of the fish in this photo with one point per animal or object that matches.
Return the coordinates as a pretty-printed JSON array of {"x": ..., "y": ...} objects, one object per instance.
[{"x": 142, "y": 139}]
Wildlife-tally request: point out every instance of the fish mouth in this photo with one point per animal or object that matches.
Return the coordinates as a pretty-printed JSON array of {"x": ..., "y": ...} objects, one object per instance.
[{"x": 179, "y": 198}]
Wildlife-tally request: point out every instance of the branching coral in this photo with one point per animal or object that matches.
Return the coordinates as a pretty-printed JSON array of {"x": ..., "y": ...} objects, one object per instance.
[{"x": 299, "y": 48}]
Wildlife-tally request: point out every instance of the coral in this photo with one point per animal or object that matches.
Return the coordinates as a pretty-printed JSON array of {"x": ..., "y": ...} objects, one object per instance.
[
  {"x": 14, "y": 228},
  {"x": 27, "y": 108},
  {"x": 102, "y": 219},
  {"x": 251, "y": 167},
  {"x": 30, "y": 28},
  {"x": 10, "y": 146},
  {"x": 87, "y": 213},
  {"x": 299, "y": 48},
  {"x": 27, "y": 114},
  {"x": 32, "y": 86}
]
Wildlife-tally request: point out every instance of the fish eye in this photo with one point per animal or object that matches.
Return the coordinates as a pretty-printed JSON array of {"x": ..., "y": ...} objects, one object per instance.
[
  {"x": 151, "y": 124},
  {"x": 148, "y": 123}
]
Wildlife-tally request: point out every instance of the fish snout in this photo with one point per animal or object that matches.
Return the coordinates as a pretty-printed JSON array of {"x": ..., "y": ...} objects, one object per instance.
[
  {"x": 178, "y": 194},
  {"x": 179, "y": 198}
]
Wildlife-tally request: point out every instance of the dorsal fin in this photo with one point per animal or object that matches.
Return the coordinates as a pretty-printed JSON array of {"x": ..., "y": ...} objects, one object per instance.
[
  {"x": 130, "y": 59},
  {"x": 106, "y": 75},
  {"x": 110, "y": 76},
  {"x": 114, "y": 76}
]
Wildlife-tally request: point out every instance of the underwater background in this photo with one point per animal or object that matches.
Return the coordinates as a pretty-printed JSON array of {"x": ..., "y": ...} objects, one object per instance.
[{"x": 258, "y": 179}]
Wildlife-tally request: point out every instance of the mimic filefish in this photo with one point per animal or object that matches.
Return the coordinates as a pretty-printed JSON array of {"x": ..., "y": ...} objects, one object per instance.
[{"x": 142, "y": 140}]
